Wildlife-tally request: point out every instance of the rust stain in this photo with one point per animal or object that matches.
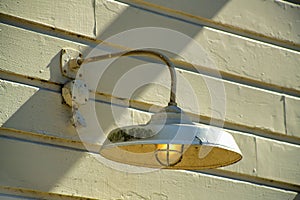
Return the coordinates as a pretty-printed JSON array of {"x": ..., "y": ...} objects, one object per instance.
[
  {"x": 24, "y": 192},
  {"x": 36, "y": 137}
]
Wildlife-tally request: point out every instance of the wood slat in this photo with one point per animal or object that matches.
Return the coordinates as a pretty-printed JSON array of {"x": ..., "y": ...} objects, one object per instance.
[
  {"x": 53, "y": 171},
  {"x": 33, "y": 55},
  {"x": 272, "y": 152},
  {"x": 256, "y": 17},
  {"x": 71, "y": 16},
  {"x": 292, "y": 107},
  {"x": 21, "y": 105}
]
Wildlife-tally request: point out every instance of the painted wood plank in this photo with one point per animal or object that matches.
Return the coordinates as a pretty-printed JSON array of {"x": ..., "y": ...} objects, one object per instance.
[
  {"x": 272, "y": 152},
  {"x": 257, "y": 16},
  {"x": 72, "y": 15},
  {"x": 229, "y": 53},
  {"x": 292, "y": 106},
  {"x": 42, "y": 112},
  {"x": 11, "y": 193},
  {"x": 21, "y": 105},
  {"x": 56, "y": 169},
  {"x": 34, "y": 55}
]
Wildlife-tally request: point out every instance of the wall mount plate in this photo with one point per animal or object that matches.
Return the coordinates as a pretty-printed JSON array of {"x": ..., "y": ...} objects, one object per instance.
[
  {"x": 68, "y": 62},
  {"x": 75, "y": 93}
]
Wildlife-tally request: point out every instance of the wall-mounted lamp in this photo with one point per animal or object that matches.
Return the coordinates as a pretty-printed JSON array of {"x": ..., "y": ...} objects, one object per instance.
[{"x": 169, "y": 140}]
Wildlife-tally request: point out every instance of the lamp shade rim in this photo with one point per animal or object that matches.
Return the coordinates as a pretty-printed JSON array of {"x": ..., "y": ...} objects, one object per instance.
[{"x": 199, "y": 141}]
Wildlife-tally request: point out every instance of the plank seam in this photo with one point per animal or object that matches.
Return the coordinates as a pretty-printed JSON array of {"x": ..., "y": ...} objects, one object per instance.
[
  {"x": 95, "y": 19},
  {"x": 29, "y": 193},
  {"x": 284, "y": 114}
]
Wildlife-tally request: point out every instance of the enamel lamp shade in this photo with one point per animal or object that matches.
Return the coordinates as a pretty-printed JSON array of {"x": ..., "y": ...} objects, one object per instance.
[{"x": 176, "y": 144}]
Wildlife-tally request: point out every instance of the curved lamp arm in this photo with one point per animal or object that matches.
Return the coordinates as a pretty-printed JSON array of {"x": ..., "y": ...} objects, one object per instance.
[{"x": 141, "y": 52}]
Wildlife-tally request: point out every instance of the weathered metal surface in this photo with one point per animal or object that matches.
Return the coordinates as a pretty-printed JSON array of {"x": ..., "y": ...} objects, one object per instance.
[
  {"x": 75, "y": 93},
  {"x": 68, "y": 62}
]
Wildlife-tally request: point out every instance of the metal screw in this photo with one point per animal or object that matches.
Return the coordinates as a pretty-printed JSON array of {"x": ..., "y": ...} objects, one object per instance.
[{"x": 79, "y": 61}]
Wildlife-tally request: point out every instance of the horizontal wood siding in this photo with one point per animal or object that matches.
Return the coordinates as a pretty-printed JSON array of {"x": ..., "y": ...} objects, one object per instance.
[
  {"x": 253, "y": 53},
  {"x": 89, "y": 178},
  {"x": 46, "y": 67}
]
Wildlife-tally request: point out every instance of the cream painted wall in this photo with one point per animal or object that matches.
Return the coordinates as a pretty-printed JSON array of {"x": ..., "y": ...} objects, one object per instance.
[{"x": 254, "y": 45}]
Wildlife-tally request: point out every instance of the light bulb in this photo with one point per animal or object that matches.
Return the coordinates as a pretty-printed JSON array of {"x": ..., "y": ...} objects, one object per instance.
[{"x": 168, "y": 154}]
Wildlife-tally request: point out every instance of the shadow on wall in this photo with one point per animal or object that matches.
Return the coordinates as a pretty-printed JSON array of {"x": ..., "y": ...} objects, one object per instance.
[
  {"x": 42, "y": 167},
  {"x": 134, "y": 17}
]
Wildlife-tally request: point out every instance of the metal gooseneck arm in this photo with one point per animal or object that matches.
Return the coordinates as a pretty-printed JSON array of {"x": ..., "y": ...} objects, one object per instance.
[{"x": 142, "y": 52}]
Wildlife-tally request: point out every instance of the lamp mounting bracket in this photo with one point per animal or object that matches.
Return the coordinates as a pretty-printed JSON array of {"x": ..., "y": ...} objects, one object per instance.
[
  {"x": 68, "y": 62},
  {"x": 75, "y": 93}
]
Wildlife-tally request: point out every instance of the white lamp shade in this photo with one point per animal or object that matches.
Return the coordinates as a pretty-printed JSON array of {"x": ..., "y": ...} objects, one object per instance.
[{"x": 203, "y": 146}]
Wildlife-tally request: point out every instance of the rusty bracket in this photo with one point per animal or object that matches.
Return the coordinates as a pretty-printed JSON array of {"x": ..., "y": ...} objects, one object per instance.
[
  {"x": 76, "y": 93},
  {"x": 69, "y": 64},
  {"x": 78, "y": 120}
]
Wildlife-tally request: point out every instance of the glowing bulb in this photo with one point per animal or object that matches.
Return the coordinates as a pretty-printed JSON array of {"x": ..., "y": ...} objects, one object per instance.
[{"x": 168, "y": 154}]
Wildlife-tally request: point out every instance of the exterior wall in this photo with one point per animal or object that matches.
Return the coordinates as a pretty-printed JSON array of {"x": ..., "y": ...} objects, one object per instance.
[{"x": 255, "y": 46}]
